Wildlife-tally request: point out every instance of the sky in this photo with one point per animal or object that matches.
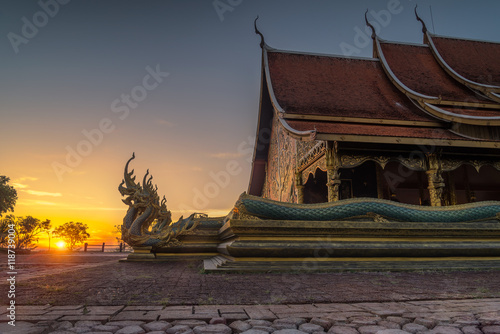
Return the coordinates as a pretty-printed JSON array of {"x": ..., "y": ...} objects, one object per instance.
[{"x": 87, "y": 83}]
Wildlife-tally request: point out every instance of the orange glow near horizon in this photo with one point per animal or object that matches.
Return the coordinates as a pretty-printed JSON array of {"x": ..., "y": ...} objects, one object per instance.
[{"x": 61, "y": 244}]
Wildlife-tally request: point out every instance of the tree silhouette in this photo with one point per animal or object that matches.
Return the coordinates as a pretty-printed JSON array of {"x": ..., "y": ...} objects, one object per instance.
[
  {"x": 72, "y": 233},
  {"x": 8, "y": 195}
]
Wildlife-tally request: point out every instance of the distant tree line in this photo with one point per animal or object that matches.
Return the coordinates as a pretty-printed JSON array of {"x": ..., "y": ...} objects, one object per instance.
[{"x": 28, "y": 229}]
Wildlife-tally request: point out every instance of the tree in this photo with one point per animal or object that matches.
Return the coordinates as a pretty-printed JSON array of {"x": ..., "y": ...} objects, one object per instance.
[
  {"x": 27, "y": 229},
  {"x": 8, "y": 195},
  {"x": 72, "y": 233}
]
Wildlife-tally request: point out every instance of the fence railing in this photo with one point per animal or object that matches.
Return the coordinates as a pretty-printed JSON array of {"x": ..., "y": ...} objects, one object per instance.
[{"x": 101, "y": 247}]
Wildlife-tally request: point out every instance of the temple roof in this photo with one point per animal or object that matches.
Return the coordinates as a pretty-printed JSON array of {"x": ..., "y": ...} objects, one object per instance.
[
  {"x": 445, "y": 92},
  {"x": 477, "y": 61}
]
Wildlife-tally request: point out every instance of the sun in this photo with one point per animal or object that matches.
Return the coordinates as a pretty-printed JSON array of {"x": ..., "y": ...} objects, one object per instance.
[{"x": 60, "y": 244}]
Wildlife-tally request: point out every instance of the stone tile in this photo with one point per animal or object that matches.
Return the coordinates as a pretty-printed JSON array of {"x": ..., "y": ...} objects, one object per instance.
[
  {"x": 179, "y": 329},
  {"x": 240, "y": 326},
  {"x": 392, "y": 331},
  {"x": 491, "y": 329},
  {"x": 267, "y": 329},
  {"x": 364, "y": 320},
  {"x": 371, "y": 329},
  {"x": 104, "y": 310},
  {"x": 122, "y": 324},
  {"x": 294, "y": 321},
  {"x": 289, "y": 331},
  {"x": 259, "y": 313},
  {"x": 87, "y": 323},
  {"x": 256, "y": 322},
  {"x": 21, "y": 327},
  {"x": 212, "y": 329},
  {"x": 388, "y": 324},
  {"x": 190, "y": 323},
  {"x": 342, "y": 330},
  {"x": 105, "y": 328},
  {"x": 143, "y": 308},
  {"x": 101, "y": 318},
  {"x": 471, "y": 330},
  {"x": 157, "y": 326},
  {"x": 414, "y": 328},
  {"x": 30, "y": 310},
  {"x": 254, "y": 331},
  {"x": 446, "y": 330},
  {"x": 131, "y": 330},
  {"x": 399, "y": 320},
  {"x": 234, "y": 316},
  {"x": 42, "y": 317},
  {"x": 310, "y": 328},
  {"x": 65, "y": 307},
  {"x": 325, "y": 323},
  {"x": 136, "y": 315},
  {"x": 429, "y": 323}
]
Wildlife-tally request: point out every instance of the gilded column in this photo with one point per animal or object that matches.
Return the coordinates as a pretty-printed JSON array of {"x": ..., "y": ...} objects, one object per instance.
[
  {"x": 435, "y": 180},
  {"x": 332, "y": 169},
  {"x": 300, "y": 187}
]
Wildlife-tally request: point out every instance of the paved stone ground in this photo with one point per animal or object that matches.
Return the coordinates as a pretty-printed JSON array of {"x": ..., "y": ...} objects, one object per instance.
[
  {"x": 97, "y": 294},
  {"x": 465, "y": 316},
  {"x": 102, "y": 280}
]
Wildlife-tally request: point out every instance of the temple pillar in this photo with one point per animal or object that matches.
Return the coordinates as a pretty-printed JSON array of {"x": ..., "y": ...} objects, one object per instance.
[
  {"x": 332, "y": 169},
  {"x": 300, "y": 187},
  {"x": 435, "y": 180}
]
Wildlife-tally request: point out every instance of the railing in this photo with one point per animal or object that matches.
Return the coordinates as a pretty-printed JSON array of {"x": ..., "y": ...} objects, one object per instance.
[{"x": 101, "y": 248}]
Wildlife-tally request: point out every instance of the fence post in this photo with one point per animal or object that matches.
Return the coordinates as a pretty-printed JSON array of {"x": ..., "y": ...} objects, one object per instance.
[
  {"x": 121, "y": 246},
  {"x": 85, "y": 247},
  {"x": 103, "y": 247}
]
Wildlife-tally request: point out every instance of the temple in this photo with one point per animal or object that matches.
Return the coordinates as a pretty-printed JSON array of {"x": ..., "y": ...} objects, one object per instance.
[
  {"x": 383, "y": 163},
  {"x": 416, "y": 123}
]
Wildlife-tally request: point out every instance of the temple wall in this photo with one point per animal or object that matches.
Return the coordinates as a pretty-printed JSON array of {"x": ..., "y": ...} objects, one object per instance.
[{"x": 281, "y": 164}]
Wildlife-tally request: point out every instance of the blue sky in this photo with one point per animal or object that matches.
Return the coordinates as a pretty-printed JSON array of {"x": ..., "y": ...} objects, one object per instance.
[{"x": 64, "y": 79}]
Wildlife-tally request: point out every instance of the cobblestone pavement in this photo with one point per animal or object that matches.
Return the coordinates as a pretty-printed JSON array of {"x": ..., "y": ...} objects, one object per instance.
[{"x": 465, "y": 316}]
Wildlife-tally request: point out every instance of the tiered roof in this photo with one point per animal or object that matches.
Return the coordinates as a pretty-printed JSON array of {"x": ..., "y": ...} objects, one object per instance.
[{"x": 445, "y": 92}]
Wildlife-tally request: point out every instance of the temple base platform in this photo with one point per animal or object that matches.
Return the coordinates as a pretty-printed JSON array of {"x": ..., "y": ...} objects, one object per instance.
[{"x": 315, "y": 246}]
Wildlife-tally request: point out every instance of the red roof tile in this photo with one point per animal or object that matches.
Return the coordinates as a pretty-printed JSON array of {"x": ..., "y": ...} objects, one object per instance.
[
  {"x": 475, "y": 60},
  {"x": 416, "y": 67},
  {"x": 337, "y": 86}
]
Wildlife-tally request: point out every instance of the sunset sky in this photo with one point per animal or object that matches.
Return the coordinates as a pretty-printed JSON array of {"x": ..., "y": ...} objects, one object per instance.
[{"x": 86, "y": 83}]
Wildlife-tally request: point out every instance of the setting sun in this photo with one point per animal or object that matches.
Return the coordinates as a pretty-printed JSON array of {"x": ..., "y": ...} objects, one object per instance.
[{"x": 60, "y": 244}]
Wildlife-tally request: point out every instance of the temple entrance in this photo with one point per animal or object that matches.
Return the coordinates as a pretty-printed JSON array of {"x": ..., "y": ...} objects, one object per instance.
[
  {"x": 466, "y": 185},
  {"x": 315, "y": 189},
  {"x": 404, "y": 185},
  {"x": 359, "y": 181}
]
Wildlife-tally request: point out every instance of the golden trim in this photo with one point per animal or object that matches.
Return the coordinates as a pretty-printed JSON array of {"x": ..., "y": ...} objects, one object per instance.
[
  {"x": 407, "y": 140},
  {"x": 361, "y": 120}
]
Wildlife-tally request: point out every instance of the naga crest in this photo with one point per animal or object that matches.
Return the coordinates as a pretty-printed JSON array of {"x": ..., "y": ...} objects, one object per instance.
[{"x": 148, "y": 222}]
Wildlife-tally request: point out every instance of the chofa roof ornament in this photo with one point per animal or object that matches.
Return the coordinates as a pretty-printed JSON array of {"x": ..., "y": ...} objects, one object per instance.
[
  {"x": 262, "y": 42},
  {"x": 424, "y": 27},
  {"x": 374, "y": 33}
]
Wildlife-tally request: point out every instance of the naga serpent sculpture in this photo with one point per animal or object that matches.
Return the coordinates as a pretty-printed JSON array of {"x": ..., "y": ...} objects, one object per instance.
[
  {"x": 148, "y": 222},
  {"x": 252, "y": 207}
]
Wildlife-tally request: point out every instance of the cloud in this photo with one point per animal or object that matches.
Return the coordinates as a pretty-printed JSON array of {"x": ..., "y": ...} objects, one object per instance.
[
  {"x": 41, "y": 193},
  {"x": 226, "y": 155},
  {"x": 31, "y": 202},
  {"x": 20, "y": 185},
  {"x": 26, "y": 178},
  {"x": 166, "y": 123}
]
